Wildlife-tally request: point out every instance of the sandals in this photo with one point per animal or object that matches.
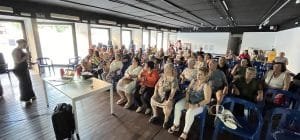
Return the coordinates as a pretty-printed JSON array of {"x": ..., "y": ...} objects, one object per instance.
[
  {"x": 121, "y": 101},
  {"x": 173, "y": 129},
  {"x": 183, "y": 136}
]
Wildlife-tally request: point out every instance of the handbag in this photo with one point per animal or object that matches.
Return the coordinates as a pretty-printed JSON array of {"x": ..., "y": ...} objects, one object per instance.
[{"x": 196, "y": 97}]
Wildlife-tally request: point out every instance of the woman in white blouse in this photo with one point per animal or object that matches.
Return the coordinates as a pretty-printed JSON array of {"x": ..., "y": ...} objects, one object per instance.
[
  {"x": 127, "y": 85},
  {"x": 278, "y": 78},
  {"x": 114, "y": 67}
]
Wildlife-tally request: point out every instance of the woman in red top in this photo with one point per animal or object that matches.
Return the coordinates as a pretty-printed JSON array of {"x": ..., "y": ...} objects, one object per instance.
[
  {"x": 147, "y": 80},
  {"x": 244, "y": 55}
]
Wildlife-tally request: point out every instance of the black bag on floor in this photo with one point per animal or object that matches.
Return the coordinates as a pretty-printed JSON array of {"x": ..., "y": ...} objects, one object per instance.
[{"x": 63, "y": 121}]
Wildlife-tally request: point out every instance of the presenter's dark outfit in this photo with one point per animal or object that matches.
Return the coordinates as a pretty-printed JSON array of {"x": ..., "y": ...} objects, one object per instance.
[{"x": 22, "y": 73}]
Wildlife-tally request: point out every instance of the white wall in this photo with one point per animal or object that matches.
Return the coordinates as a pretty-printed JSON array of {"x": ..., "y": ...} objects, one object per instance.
[
  {"x": 258, "y": 40},
  {"x": 210, "y": 42},
  {"x": 288, "y": 41}
]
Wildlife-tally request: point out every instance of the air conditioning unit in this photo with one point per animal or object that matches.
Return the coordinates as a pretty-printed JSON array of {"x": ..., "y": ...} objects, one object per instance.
[
  {"x": 6, "y": 9},
  {"x": 62, "y": 16},
  {"x": 102, "y": 21}
]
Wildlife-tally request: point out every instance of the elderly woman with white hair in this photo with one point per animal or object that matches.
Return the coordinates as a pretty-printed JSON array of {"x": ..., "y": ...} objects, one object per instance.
[{"x": 164, "y": 93}]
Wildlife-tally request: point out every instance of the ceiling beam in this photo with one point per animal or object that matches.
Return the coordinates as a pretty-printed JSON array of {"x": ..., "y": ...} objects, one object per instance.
[
  {"x": 226, "y": 11},
  {"x": 131, "y": 5},
  {"x": 189, "y": 12},
  {"x": 168, "y": 12},
  {"x": 97, "y": 7},
  {"x": 267, "y": 19}
]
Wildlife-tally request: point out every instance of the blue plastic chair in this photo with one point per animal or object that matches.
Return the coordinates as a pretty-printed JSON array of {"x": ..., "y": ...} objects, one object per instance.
[
  {"x": 290, "y": 99},
  {"x": 249, "y": 130},
  {"x": 201, "y": 117},
  {"x": 288, "y": 127}
]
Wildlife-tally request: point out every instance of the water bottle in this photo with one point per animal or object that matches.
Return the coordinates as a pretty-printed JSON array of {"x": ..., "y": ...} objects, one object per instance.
[{"x": 62, "y": 72}]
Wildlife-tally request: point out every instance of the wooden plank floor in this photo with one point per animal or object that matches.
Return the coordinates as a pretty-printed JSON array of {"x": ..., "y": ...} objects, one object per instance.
[{"x": 95, "y": 121}]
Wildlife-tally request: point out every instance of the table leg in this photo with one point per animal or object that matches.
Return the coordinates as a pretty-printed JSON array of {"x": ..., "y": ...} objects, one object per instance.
[
  {"x": 75, "y": 118},
  {"x": 46, "y": 93},
  {"x": 111, "y": 100}
]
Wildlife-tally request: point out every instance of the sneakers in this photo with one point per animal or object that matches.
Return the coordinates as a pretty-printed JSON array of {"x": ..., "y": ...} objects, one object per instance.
[
  {"x": 139, "y": 109},
  {"x": 148, "y": 111}
]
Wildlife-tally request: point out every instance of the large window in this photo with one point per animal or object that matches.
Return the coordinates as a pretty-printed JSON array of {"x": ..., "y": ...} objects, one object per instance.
[
  {"x": 146, "y": 39},
  {"x": 9, "y": 32},
  {"x": 99, "y": 35},
  {"x": 153, "y": 38},
  {"x": 126, "y": 38},
  {"x": 159, "y": 40},
  {"x": 56, "y": 42}
]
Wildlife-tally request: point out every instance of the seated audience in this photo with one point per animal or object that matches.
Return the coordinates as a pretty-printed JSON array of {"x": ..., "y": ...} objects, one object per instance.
[
  {"x": 217, "y": 81},
  {"x": 207, "y": 58},
  {"x": 244, "y": 55},
  {"x": 197, "y": 96},
  {"x": 239, "y": 70},
  {"x": 147, "y": 80},
  {"x": 222, "y": 65},
  {"x": 115, "y": 68},
  {"x": 278, "y": 78},
  {"x": 126, "y": 86},
  {"x": 164, "y": 93},
  {"x": 86, "y": 63},
  {"x": 188, "y": 74},
  {"x": 281, "y": 58},
  {"x": 271, "y": 56},
  {"x": 200, "y": 61},
  {"x": 248, "y": 88}
]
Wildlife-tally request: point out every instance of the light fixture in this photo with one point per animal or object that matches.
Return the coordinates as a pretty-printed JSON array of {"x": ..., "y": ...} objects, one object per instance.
[
  {"x": 216, "y": 28},
  {"x": 133, "y": 25},
  {"x": 231, "y": 18},
  {"x": 259, "y": 27},
  {"x": 165, "y": 30},
  {"x": 296, "y": 22},
  {"x": 297, "y": 1},
  {"x": 102, "y": 21},
  {"x": 266, "y": 22},
  {"x": 151, "y": 28},
  {"x": 62, "y": 16},
  {"x": 271, "y": 27},
  {"x": 84, "y": 21},
  {"x": 25, "y": 14},
  {"x": 225, "y": 5},
  {"x": 174, "y": 31},
  {"x": 6, "y": 9}
]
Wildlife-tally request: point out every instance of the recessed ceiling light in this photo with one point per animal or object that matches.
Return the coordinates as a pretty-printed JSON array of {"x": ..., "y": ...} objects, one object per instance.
[
  {"x": 296, "y": 22},
  {"x": 297, "y": 1},
  {"x": 260, "y": 27}
]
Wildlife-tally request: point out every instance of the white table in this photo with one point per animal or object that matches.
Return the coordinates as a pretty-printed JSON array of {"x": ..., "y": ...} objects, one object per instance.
[{"x": 78, "y": 89}]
